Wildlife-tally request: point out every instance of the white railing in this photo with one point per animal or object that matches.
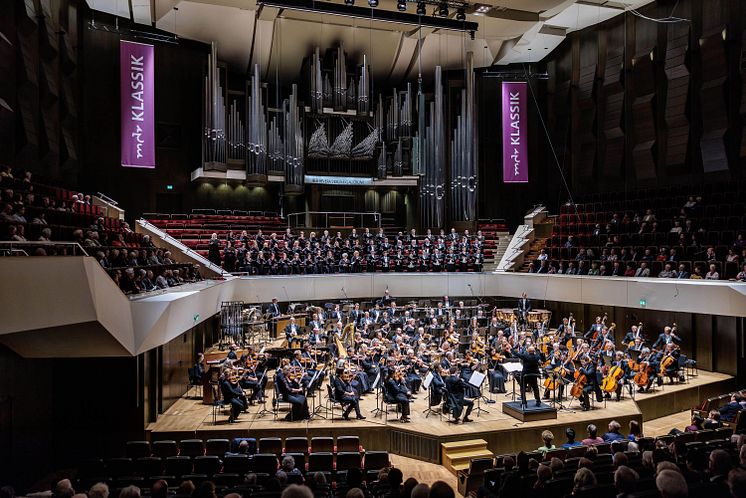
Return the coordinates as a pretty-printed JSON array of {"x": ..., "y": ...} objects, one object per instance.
[
  {"x": 514, "y": 254},
  {"x": 20, "y": 248},
  {"x": 178, "y": 245},
  {"x": 325, "y": 219}
]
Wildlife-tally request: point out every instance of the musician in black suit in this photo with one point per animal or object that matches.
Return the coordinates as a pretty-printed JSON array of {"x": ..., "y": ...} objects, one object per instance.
[
  {"x": 397, "y": 390},
  {"x": 589, "y": 370},
  {"x": 634, "y": 333},
  {"x": 273, "y": 309},
  {"x": 234, "y": 395},
  {"x": 666, "y": 337},
  {"x": 316, "y": 338},
  {"x": 346, "y": 395},
  {"x": 524, "y": 307},
  {"x": 455, "y": 389},
  {"x": 531, "y": 361},
  {"x": 292, "y": 391},
  {"x": 199, "y": 369}
]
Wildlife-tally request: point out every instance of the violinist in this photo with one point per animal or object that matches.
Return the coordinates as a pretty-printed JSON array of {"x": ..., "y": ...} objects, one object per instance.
[
  {"x": 410, "y": 366},
  {"x": 668, "y": 336},
  {"x": 456, "y": 396},
  {"x": 496, "y": 372},
  {"x": 346, "y": 395},
  {"x": 233, "y": 394},
  {"x": 250, "y": 380},
  {"x": 300, "y": 363},
  {"x": 397, "y": 391},
  {"x": 560, "y": 372},
  {"x": 468, "y": 366},
  {"x": 288, "y": 383}
]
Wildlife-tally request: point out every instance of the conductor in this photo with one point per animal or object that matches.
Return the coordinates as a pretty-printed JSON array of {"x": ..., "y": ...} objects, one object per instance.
[{"x": 531, "y": 360}]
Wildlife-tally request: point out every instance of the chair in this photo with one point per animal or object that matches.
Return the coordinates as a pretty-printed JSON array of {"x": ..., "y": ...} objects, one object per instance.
[
  {"x": 196, "y": 479},
  {"x": 320, "y": 461},
  {"x": 178, "y": 465},
  {"x": 347, "y": 460},
  {"x": 296, "y": 445},
  {"x": 560, "y": 453},
  {"x": 217, "y": 447},
  {"x": 348, "y": 443},
  {"x": 236, "y": 464},
  {"x": 148, "y": 466},
  {"x": 322, "y": 444},
  {"x": 137, "y": 449},
  {"x": 270, "y": 445},
  {"x": 576, "y": 451},
  {"x": 207, "y": 464},
  {"x": 226, "y": 480},
  {"x": 332, "y": 402},
  {"x": 193, "y": 383},
  {"x": 165, "y": 448},
  {"x": 119, "y": 467},
  {"x": 376, "y": 460},
  {"x": 264, "y": 463},
  {"x": 191, "y": 447},
  {"x": 218, "y": 403},
  {"x": 473, "y": 477}
]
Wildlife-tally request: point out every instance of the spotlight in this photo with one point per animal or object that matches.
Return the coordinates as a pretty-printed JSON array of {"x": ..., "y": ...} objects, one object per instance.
[
  {"x": 461, "y": 15},
  {"x": 421, "y": 10},
  {"x": 350, "y": 2},
  {"x": 373, "y": 3},
  {"x": 443, "y": 11},
  {"x": 401, "y": 5}
]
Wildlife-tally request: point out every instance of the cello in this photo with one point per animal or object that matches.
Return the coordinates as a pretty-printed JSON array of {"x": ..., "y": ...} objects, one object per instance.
[{"x": 611, "y": 381}]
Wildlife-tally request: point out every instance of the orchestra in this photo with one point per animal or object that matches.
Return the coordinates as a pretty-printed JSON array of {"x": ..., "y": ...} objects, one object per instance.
[{"x": 388, "y": 350}]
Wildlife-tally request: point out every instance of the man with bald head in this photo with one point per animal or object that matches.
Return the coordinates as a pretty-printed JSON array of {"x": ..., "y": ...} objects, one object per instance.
[{"x": 531, "y": 361}]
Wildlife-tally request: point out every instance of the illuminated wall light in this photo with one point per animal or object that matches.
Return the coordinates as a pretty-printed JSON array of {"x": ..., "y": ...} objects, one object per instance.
[
  {"x": 401, "y": 5},
  {"x": 373, "y": 3}
]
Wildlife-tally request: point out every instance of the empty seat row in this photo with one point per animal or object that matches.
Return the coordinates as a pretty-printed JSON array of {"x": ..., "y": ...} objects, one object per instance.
[{"x": 219, "y": 447}]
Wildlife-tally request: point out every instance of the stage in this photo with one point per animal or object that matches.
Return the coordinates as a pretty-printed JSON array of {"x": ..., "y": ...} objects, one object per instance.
[{"x": 421, "y": 438}]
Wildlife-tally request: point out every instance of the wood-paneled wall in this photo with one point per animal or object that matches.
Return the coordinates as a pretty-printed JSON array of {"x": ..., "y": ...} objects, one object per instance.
[{"x": 652, "y": 102}]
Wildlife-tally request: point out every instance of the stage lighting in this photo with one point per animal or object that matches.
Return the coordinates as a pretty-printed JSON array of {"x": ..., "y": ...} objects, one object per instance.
[
  {"x": 401, "y": 5},
  {"x": 421, "y": 10},
  {"x": 373, "y": 3},
  {"x": 461, "y": 15},
  {"x": 443, "y": 11},
  {"x": 350, "y": 2}
]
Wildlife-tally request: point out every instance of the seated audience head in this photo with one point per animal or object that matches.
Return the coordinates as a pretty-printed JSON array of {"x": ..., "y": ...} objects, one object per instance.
[
  {"x": 422, "y": 490},
  {"x": 186, "y": 488},
  {"x": 556, "y": 465},
  {"x": 296, "y": 491},
  {"x": 543, "y": 474},
  {"x": 440, "y": 489},
  {"x": 63, "y": 489},
  {"x": 666, "y": 465},
  {"x": 737, "y": 482},
  {"x": 584, "y": 477},
  {"x": 355, "y": 493},
  {"x": 620, "y": 459},
  {"x": 625, "y": 480},
  {"x": 134, "y": 492},
  {"x": 547, "y": 437},
  {"x": 159, "y": 489},
  {"x": 99, "y": 490},
  {"x": 720, "y": 463},
  {"x": 671, "y": 484}
]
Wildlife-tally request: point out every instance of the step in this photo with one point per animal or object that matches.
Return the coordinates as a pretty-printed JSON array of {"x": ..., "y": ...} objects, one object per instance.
[
  {"x": 464, "y": 444},
  {"x": 466, "y": 457}
]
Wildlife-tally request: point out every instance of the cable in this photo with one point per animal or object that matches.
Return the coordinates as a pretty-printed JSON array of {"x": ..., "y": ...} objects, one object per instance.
[{"x": 551, "y": 145}]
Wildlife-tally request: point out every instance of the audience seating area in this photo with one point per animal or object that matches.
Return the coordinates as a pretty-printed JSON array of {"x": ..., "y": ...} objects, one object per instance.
[
  {"x": 701, "y": 232},
  {"x": 43, "y": 220}
]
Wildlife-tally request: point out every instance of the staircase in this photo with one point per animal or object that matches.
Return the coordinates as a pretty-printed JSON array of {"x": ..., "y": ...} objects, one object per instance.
[
  {"x": 533, "y": 251},
  {"x": 456, "y": 455},
  {"x": 500, "y": 244}
]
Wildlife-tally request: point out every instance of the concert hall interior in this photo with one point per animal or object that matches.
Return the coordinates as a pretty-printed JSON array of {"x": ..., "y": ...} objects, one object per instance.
[{"x": 373, "y": 248}]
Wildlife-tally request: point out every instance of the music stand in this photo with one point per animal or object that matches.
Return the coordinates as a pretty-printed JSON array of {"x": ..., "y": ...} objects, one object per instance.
[
  {"x": 428, "y": 384},
  {"x": 378, "y": 386},
  {"x": 513, "y": 368},
  {"x": 263, "y": 411},
  {"x": 476, "y": 380},
  {"x": 313, "y": 386}
]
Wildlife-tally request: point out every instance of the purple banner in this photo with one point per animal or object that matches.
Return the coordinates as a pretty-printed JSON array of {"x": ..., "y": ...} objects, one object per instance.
[
  {"x": 515, "y": 148},
  {"x": 137, "y": 96}
]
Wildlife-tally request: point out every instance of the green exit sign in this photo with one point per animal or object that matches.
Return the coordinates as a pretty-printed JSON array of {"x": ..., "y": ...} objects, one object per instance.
[
  {"x": 169, "y": 187},
  {"x": 196, "y": 318},
  {"x": 643, "y": 303}
]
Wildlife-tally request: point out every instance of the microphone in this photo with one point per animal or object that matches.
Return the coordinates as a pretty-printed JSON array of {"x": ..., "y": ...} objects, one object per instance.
[{"x": 286, "y": 293}]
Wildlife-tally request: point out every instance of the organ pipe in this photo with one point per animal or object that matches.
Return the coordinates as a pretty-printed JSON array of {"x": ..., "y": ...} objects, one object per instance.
[
  {"x": 213, "y": 144},
  {"x": 236, "y": 135},
  {"x": 294, "y": 169},
  {"x": 432, "y": 192},
  {"x": 256, "y": 161},
  {"x": 363, "y": 89},
  {"x": 463, "y": 154}
]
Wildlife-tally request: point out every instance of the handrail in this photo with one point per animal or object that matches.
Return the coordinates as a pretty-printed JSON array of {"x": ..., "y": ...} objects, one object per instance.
[
  {"x": 294, "y": 219},
  {"x": 40, "y": 243},
  {"x": 184, "y": 249}
]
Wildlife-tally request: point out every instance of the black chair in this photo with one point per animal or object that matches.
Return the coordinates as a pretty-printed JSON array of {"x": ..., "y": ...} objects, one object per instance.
[
  {"x": 207, "y": 464},
  {"x": 321, "y": 461},
  {"x": 296, "y": 445},
  {"x": 376, "y": 460},
  {"x": 191, "y": 447},
  {"x": 236, "y": 464},
  {"x": 166, "y": 448},
  {"x": 178, "y": 465},
  {"x": 322, "y": 444},
  {"x": 193, "y": 383},
  {"x": 148, "y": 466},
  {"x": 270, "y": 445},
  {"x": 119, "y": 467},
  {"x": 217, "y": 447},
  {"x": 347, "y": 460},
  {"x": 264, "y": 463},
  {"x": 196, "y": 479},
  {"x": 137, "y": 449},
  {"x": 348, "y": 443},
  {"x": 227, "y": 480}
]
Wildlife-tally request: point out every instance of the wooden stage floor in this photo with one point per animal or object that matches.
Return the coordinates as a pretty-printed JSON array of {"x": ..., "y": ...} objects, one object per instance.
[{"x": 421, "y": 437}]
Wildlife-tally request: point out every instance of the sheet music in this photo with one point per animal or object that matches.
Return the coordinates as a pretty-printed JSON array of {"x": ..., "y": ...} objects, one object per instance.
[
  {"x": 428, "y": 380},
  {"x": 513, "y": 367},
  {"x": 476, "y": 379},
  {"x": 378, "y": 379}
]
